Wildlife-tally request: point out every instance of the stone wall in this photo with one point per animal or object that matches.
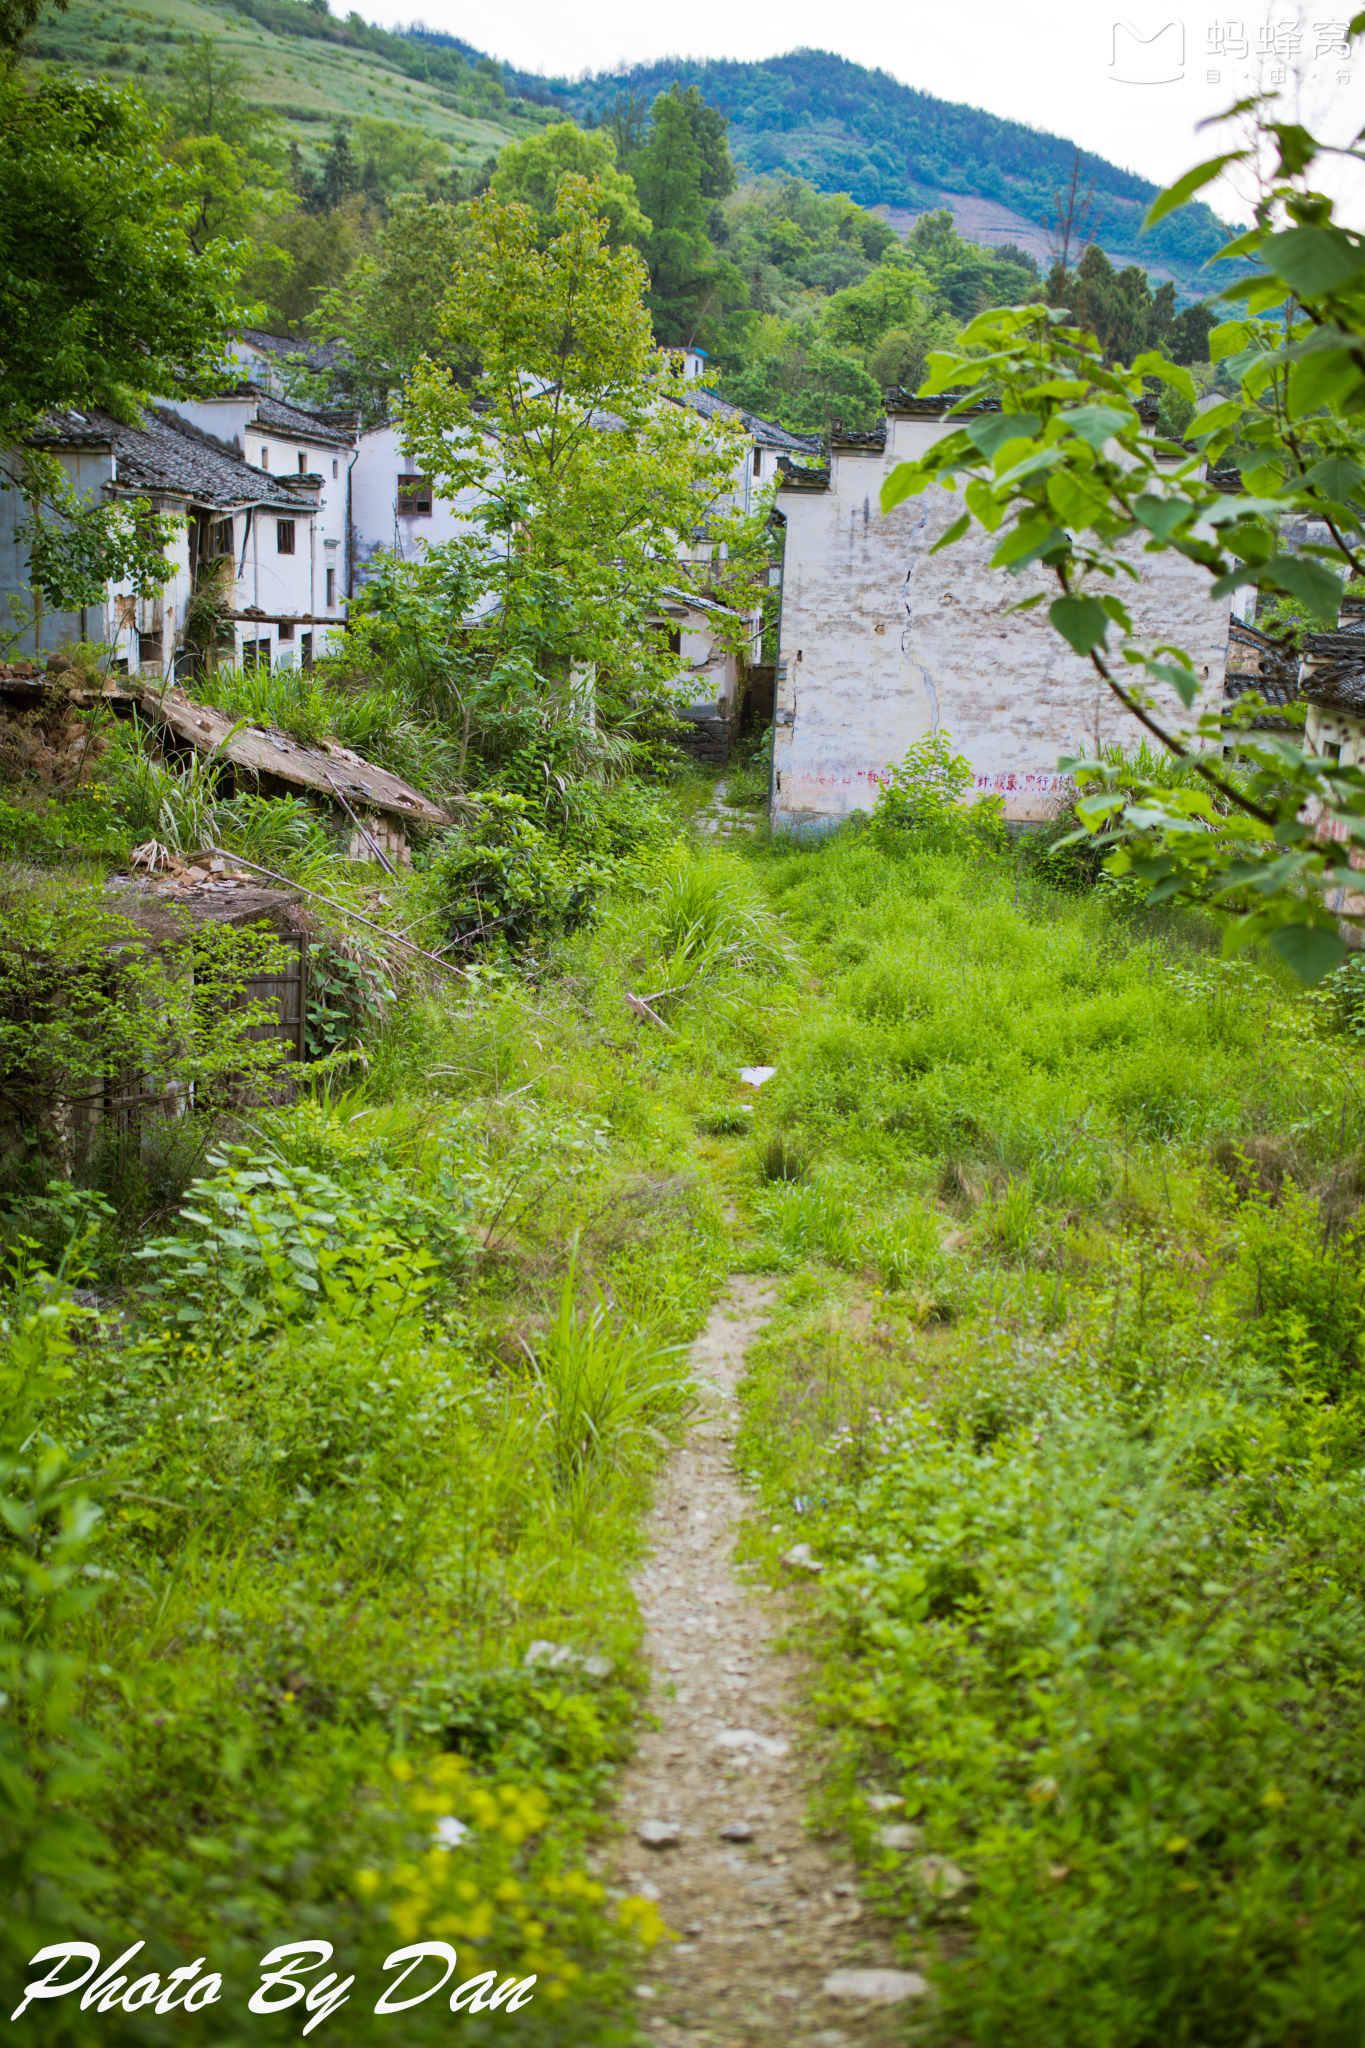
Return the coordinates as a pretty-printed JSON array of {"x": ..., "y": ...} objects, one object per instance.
[{"x": 883, "y": 642}]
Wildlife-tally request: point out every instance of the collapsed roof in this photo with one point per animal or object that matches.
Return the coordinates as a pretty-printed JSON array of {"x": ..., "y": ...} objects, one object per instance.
[{"x": 259, "y": 754}]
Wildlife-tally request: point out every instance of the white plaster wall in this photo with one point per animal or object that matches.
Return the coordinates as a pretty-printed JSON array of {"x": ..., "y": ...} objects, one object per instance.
[
  {"x": 713, "y": 670},
  {"x": 884, "y": 642},
  {"x": 88, "y": 470},
  {"x": 375, "y": 519}
]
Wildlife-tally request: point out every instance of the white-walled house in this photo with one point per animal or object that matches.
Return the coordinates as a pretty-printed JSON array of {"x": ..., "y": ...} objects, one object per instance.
[
  {"x": 882, "y": 641},
  {"x": 285, "y": 441},
  {"x": 393, "y": 505},
  {"x": 268, "y": 524}
]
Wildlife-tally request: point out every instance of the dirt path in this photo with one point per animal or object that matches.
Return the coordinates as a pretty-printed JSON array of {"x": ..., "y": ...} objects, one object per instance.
[{"x": 714, "y": 1802}]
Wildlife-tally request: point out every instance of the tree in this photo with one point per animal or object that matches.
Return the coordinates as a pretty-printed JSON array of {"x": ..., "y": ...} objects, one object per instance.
[
  {"x": 1069, "y": 477},
  {"x": 687, "y": 279},
  {"x": 205, "y": 95},
  {"x": 594, "y": 490},
  {"x": 1190, "y": 333},
  {"x": 530, "y": 173},
  {"x": 103, "y": 297},
  {"x": 388, "y": 312},
  {"x": 309, "y": 255},
  {"x": 17, "y": 17},
  {"x": 710, "y": 133}
]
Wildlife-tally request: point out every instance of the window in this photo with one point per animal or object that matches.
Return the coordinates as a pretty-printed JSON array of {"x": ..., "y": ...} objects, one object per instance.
[
  {"x": 758, "y": 462},
  {"x": 306, "y": 645},
  {"x": 256, "y": 654},
  {"x": 331, "y": 588},
  {"x": 414, "y": 497},
  {"x": 265, "y": 458},
  {"x": 285, "y": 629},
  {"x": 222, "y": 537},
  {"x": 284, "y": 536},
  {"x": 303, "y": 463},
  {"x": 675, "y": 641},
  {"x": 334, "y": 466},
  {"x": 149, "y": 650}
]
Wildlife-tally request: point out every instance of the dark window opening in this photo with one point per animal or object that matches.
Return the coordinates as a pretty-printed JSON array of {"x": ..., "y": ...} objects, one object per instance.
[
  {"x": 307, "y": 653},
  {"x": 331, "y": 587},
  {"x": 303, "y": 463},
  {"x": 284, "y": 536},
  {"x": 149, "y": 651},
  {"x": 675, "y": 641},
  {"x": 334, "y": 466},
  {"x": 285, "y": 630},
  {"x": 222, "y": 537},
  {"x": 265, "y": 458},
  {"x": 1333, "y": 750},
  {"x": 758, "y": 462},
  {"x": 414, "y": 497},
  {"x": 256, "y": 654}
]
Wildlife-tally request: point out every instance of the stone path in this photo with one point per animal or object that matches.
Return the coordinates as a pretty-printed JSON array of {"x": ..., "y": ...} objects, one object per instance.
[
  {"x": 714, "y": 1802},
  {"x": 720, "y": 819}
]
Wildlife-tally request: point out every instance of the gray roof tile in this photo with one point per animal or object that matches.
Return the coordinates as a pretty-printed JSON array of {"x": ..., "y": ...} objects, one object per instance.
[{"x": 165, "y": 454}]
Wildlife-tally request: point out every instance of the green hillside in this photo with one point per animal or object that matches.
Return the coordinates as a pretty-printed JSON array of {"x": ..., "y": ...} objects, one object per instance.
[
  {"x": 848, "y": 129},
  {"x": 308, "y": 70}
]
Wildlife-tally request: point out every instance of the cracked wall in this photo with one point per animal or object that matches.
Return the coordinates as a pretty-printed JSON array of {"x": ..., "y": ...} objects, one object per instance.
[{"x": 883, "y": 641}]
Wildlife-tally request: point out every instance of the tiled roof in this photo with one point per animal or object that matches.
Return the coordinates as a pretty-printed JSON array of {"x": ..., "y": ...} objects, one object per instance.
[
  {"x": 764, "y": 433},
  {"x": 298, "y": 425},
  {"x": 906, "y": 405},
  {"x": 794, "y": 478},
  {"x": 284, "y": 348},
  {"x": 165, "y": 454},
  {"x": 1333, "y": 672}
]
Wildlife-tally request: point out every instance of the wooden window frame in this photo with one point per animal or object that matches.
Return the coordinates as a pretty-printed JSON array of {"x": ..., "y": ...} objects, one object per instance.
[{"x": 414, "y": 497}]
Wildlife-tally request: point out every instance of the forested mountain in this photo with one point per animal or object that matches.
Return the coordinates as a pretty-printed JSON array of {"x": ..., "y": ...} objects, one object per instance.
[{"x": 846, "y": 128}]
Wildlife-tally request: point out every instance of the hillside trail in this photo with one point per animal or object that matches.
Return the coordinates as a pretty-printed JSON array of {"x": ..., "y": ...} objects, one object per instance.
[{"x": 774, "y": 1945}]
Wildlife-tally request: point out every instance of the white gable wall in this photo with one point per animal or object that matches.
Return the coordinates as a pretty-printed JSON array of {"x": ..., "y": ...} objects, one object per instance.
[
  {"x": 883, "y": 642},
  {"x": 376, "y": 522}
]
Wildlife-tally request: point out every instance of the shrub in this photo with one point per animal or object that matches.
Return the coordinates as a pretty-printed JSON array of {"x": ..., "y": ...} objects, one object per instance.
[{"x": 925, "y": 796}]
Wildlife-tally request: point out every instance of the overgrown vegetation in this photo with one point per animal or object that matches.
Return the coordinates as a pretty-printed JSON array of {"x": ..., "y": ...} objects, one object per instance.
[{"x": 1063, "y": 1397}]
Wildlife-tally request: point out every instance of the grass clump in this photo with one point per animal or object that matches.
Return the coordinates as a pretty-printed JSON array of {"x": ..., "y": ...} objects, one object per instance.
[{"x": 1066, "y": 1395}]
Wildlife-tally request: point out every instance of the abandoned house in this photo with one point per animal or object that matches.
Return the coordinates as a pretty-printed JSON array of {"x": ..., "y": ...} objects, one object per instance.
[
  {"x": 882, "y": 642},
  {"x": 44, "y": 723},
  {"x": 285, "y": 592}
]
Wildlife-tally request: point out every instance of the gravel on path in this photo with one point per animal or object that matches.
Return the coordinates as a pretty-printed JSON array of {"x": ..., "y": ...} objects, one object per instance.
[{"x": 775, "y": 1946}]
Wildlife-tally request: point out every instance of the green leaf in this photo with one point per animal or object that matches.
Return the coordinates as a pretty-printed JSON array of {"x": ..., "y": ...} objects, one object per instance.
[
  {"x": 1182, "y": 680},
  {"x": 1151, "y": 363},
  {"x": 904, "y": 481},
  {"x": 1082, "y": 621},
  {"x": 1314, "y": 261},
  {"x": 1337, "y": 477},
  {"x": 995, "y": 429},
  {"x": 1097, "y": 423},
  {"x": 1312, "y": 583},
  {"x": 955, "y": 532},
  {"x": 1241, "y": 245},
  {"x": 1161, "y": 516},
  {"x": 1297, "y": 147},
  {"x": 1310, "y": 951},
  {"x": 1213, "y": 421},
  {"x": 1026, "y": 543},
  {"x": 1185, "y": 188},
  {"x": 1226, "y": 338}
]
